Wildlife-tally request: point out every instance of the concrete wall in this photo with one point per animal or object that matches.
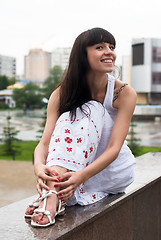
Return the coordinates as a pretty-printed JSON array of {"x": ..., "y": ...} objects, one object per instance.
[{"x": 135, "y": 215}]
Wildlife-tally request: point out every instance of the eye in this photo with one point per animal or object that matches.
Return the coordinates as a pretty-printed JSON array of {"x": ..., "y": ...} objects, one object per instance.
[
  {"x": 112, "y": 47},
  {"x": 99, "y": 47}
]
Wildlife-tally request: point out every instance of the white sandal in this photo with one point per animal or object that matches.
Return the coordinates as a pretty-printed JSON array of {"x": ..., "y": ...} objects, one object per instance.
[
  {"x": 35, "y": 204},
  {"x": 60, "y": 211}
]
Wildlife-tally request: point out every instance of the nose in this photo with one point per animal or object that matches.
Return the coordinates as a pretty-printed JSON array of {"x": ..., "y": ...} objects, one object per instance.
[{"x": 108, "y": 51}]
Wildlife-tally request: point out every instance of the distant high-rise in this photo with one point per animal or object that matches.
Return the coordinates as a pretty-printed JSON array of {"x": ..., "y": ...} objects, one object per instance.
[
  {"x": 37, "y": 66},
  {"x": 60, "y": 56},
  {"x": 126, "y": 69},
  {"x": 146, "y": 70},
  {"x": 7, "y": 66}
]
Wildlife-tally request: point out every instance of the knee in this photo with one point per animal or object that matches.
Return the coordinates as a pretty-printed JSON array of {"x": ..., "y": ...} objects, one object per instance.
[{"x": 58, "y": 170}]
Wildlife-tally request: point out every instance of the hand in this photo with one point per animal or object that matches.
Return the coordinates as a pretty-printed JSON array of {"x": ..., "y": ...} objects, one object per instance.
[
  {"x": 44, "y": 174},
  {"x": 72, "y": 181}
]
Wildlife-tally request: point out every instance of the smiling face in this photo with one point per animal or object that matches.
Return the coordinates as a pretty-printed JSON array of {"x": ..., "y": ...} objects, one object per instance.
[{"x": 101, "y": 57}]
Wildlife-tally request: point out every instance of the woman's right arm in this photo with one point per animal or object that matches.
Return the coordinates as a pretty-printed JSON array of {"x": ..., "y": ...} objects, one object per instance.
[{"x": 43, "y": 172}]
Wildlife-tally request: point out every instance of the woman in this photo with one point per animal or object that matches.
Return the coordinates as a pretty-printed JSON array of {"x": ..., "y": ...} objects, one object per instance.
[{"x": 83, "y": 155}]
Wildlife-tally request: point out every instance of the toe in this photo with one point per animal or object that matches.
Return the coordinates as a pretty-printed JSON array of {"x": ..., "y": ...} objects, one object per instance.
[
  {"x": 37, "y": 217},
  {"x": 44, "y": 220},
  {"x": 29, "y": 211}
]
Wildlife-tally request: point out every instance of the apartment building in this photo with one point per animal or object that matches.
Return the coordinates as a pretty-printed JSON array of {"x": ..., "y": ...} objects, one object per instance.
[
  {"x": 37, "y": 65},
  {"x": 146, "y": 70},
  {"x": 60, "y": 56},
  {"x": 7, "y": 66}
]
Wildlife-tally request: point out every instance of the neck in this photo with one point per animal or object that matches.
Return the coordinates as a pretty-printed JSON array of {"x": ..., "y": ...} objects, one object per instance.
[
  {"x": 97, "y": 81},
  {"x": 97, "y": 84}
]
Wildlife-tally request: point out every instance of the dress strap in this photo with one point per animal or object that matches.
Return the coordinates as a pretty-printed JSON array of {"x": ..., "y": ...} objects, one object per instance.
[{"x": 118, "y": 92}]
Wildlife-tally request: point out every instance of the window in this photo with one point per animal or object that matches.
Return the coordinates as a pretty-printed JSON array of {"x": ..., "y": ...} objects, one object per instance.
[
  {"x": 156, "y": 78},
  {"x": 156, "y": 54},
  {"x": 138, "y": 54}
]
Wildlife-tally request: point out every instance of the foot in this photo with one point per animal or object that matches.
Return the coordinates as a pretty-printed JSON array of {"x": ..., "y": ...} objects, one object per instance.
[
  {"x": 51, "y": 206},
  {"x": 30, "y": 210}
]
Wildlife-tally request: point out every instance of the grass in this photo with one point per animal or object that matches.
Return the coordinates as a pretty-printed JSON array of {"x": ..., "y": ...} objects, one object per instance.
[
  {"x": 143, "y": 150},
  {"x": 26, "y": 149}
]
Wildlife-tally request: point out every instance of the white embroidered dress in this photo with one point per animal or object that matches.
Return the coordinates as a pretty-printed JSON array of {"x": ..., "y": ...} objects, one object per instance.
[{"x": 74, "y": 145}]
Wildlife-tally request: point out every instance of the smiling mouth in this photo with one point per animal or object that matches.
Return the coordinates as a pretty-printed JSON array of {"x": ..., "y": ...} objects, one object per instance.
[{"x": 107, "y": 61}]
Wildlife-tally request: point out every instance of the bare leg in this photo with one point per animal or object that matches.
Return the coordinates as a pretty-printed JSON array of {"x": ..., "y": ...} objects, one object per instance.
[{"x": 52, "y": 201}]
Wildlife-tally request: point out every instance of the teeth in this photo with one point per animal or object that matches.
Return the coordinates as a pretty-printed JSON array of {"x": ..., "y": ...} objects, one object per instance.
[{"x": 108, "y": 61}]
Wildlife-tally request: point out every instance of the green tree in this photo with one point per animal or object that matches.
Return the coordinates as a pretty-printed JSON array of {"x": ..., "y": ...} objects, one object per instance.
[
  {"x": 3, "y": 105},
  {"x": 9, "y": 137},
  {"x": 4, "y": 82},
  {"x": 133, "y": 142},
  {"x": 53, "y": 80},
  {"x": 28, "y": 97},
  {"x": 12, "y": 80}
]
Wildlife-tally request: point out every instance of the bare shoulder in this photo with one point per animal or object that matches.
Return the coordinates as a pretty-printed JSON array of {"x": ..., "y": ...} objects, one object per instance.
[
  {"x": 54, "y": 100},
  {"x": 127, "y": 94},
  {"x": 55, "y": 95}
]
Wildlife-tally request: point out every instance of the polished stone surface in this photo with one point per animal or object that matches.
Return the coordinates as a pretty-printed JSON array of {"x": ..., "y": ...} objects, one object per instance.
[
  {"x": 104, "y": 217},
  {"x": 147, "y": 213}
]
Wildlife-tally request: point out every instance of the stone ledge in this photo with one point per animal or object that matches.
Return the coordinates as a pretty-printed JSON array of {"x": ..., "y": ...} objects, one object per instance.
[{"x": 135, "y": 215}]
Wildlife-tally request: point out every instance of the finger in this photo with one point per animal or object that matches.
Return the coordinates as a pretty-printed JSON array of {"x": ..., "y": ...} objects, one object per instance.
[
  {"x": 51, "y": 172},
  {"x": 47, "y": 177},
  {"x": 62, "y": 184},
  {"x": 65, "y": 176},
  {"x": 42, "y": 184},
  {"x": 66, "y": 191},
  {"x": 65, "y": 197},
  {"x": 39, "y": 189}
]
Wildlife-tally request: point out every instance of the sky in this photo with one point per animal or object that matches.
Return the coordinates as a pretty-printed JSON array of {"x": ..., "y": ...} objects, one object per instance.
[{"x": 48, "y": 24}]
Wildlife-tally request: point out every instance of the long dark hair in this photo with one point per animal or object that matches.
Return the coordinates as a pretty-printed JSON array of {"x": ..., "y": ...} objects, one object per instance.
[{"x": 74, "y": 89}]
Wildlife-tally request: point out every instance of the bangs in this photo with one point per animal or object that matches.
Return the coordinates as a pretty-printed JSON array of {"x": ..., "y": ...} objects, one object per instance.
[{"x": 99, "y": 35}]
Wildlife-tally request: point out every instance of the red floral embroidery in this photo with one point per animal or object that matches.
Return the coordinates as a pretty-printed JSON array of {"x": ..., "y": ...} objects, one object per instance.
[
  {"x": 82, "y": 128},
  {"x": 67, "y": 131},
  {"x": 68, "y": 140},
  {"x": 94, "y": 196},
  {"x": 81, "y": 190},
  {"x": 54, "y": 149},
  {"x": 69, "y": 149},
  {"x": 79, "y": 140},
  {"x": 57, "y": 140},
  {"x": 91, "y": 149},
  {"x": 86, "y": 154}
]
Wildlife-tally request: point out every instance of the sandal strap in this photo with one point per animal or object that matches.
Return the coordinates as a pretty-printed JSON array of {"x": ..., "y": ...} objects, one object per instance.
[
  {"x": 44, "y": 197},
  {"x": 47, "y": 213},
  {"x": 47, "y": 194},
  {"x": 35, "y": 203},
  {"x": 43, "y": 210}
]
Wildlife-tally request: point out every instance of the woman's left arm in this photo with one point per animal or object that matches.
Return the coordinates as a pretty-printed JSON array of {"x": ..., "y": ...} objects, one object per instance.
[{"x": 125, "y": 104}]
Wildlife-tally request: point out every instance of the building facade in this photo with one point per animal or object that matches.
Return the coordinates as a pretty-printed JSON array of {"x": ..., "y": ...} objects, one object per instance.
[
  {"x": 146, "y": 70},
  {"x": 60, "y": 56},
  {"x": 6, "y": 97},
  {"x": 7, "y": 66},
  {"x": 37, "y": 65},
  {"x": 126, "y": 69}
]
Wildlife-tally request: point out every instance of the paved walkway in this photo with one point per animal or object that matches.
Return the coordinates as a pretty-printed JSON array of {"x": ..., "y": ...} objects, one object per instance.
[{"x": 17, "y": 181}]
